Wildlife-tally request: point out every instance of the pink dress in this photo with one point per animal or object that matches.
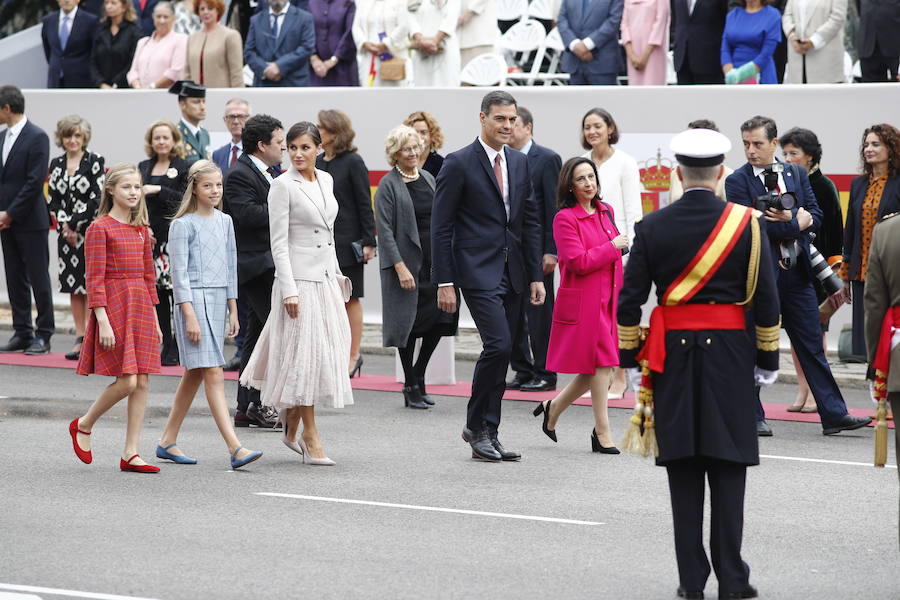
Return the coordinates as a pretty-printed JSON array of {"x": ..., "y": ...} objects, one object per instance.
[
  {"x": 646, "y": 22},
  {"x": 583, "y": 335}
]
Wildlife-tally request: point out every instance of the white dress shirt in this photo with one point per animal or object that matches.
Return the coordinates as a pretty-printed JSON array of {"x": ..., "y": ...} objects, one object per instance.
[
  {"x": 194, "y": 129},
  {"x": 10, "y": 137},
  {"x": 492, "y": 156},
  {"x": 63, "y": 23},
  {"x": 279, "y": 19},
  {"x": 758, "y": 173},
  {"x": 261, "y": 166}
]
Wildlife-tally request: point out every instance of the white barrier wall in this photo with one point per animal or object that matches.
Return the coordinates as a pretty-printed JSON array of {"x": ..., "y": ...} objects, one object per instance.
[{"x": 647, "y": 118}]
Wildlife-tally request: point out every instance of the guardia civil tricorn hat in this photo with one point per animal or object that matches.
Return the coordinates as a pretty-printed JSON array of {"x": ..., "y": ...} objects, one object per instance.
[{"x": 188, "y": 89}]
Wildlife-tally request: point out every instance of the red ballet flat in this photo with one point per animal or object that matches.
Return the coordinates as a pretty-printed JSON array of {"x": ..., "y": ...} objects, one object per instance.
[
  {"x": 85, "y": 455},
  {"x": 125, "y": 465}
]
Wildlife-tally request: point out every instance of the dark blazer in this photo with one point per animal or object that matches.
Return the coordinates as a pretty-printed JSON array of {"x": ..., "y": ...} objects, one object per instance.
[
  {"x": 890, "y": 203},
  {"x": 246, "y": 199},
  {"x": 601, "y": 24},
  {"x": 111, "y": 55},
  {"x": 471, "y": 238},
  {"x": 830, "y": 236},
  {"x": 697, "y": 36},
  {"x": 544, "y": 165},
  {"x": 433, "y": 163},
  {"x": 73, "y": 63},
  {"x": 355, "y": 220},
  {"x": 222, "y": 157},
  {"x": 879, "y": 22},
  {"x": 22, "y": 179},
  {"x": 162, "y": 207},
  {"x": 145, "y": 17},
  {"x": 742, "y": 187},
  {"x": 291, "y": 51}
]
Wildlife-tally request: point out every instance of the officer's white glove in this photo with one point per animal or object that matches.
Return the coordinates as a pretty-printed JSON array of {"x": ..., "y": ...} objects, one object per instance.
[
  {"x": 634, "y": 376},
  {"x": 764, "y": 378}
]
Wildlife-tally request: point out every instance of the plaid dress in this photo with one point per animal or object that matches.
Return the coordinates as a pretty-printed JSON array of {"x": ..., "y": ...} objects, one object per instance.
[{"x": 121, "y": 277}]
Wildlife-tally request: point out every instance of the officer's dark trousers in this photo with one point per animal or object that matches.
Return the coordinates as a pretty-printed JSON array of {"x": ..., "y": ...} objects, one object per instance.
[
  {"x": 726, "y": 485},
  {"x": 257, "y": 292},
  {"x": 529, "y": 360},
  {"x": 800, "y": 319}
]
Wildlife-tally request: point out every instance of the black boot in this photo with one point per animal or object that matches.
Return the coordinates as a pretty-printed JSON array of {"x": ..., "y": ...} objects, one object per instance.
[
  {"x": 412, "y": 397},
  {"x": 425, "y": 397}
]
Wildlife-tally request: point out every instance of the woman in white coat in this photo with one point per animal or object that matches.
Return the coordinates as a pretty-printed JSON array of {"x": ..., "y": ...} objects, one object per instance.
[
  {"x": 381, "y": 31},
  {"x": 433, "y": 29},
  {"x": 815, "y": 32},
  {"x": 300, "y": 360}
]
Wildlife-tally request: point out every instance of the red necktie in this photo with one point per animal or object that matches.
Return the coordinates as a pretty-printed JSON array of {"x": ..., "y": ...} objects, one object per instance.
[
  {"x": 143, "y": 5},
  {"x": 234, "y": 151},
  {"x": 498, "y": 173}
]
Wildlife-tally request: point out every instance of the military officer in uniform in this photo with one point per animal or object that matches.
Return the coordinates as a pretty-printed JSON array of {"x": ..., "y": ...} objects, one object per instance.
[
  {"x": 882, "y": 309},
  {"x": 192, "y": 102},
  {"x": 709, "y": 259}
]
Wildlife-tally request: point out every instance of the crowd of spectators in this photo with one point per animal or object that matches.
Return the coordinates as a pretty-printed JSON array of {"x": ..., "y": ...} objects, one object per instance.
[{"x": 427, "y": 43}]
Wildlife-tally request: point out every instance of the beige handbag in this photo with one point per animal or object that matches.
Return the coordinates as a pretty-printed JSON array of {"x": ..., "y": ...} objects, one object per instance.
[{"x": 393, "y": 69}]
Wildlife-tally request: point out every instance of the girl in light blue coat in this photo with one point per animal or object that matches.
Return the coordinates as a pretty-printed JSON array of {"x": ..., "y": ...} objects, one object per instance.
[{"x": 203, "y": 259}]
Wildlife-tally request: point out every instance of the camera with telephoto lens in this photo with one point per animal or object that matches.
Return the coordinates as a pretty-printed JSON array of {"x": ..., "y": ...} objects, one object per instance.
[
  {"x": 824, "y": 273},
  {"x": 772, "y": 199}
]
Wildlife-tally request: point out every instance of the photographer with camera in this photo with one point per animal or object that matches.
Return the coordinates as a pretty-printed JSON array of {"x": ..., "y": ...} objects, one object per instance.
[{"x": 782, "y": 191}]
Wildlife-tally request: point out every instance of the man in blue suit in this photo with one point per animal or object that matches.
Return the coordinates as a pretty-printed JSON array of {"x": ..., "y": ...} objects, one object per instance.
[
  {"x": 24, "y": 224},
  {"x": 144, "y": 10},
  {"x": 486, "y": 239},
  {"x": 68, "y": 36},
  {"x": 237, "y": 111},
  {"x": 789, "y": 235},
  {"x": 279, "y": 44},
  {"x": 590, "y": 32}
]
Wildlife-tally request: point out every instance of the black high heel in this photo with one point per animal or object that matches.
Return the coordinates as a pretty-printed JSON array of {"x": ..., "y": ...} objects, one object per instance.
[
  {"x": 76, "y": 354},
  {"x": 425, "y": 397},
  {"x": 412, "y": 397},
  {"x": 596, "y": 447},
  {"x": 356, "y": 371},
  {"x": 551, "y": 433}
]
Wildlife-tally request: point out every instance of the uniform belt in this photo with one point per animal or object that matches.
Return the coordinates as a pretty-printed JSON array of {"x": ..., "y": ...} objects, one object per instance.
[{"x": 691, "y": 317}]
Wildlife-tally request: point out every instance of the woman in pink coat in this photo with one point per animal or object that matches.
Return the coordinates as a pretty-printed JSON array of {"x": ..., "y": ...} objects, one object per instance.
[
  {"x": 583, "y": 336},
  {"x": 645, "y": 35}
]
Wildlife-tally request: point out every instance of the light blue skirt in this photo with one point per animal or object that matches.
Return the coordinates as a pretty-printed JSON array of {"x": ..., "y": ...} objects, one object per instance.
[{"x": 211, "y": 308}]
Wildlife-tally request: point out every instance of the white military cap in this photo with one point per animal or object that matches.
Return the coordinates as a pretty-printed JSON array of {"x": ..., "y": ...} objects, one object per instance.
[{"x": 700, "y": 147}]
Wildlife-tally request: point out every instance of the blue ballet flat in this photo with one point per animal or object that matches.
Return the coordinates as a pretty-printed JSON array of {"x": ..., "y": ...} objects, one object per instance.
[
  {"x": 181, "y": 460},
  {"x": 237, "y": 463}
]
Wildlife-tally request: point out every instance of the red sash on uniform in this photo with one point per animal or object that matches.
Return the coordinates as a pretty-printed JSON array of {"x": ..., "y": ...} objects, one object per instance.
[
  {"x": 882, "y": 361},
  {"x": 692, "y": 317}
]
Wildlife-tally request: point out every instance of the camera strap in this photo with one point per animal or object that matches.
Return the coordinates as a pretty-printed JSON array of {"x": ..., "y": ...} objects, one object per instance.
[{"x": 788, "y": 255}]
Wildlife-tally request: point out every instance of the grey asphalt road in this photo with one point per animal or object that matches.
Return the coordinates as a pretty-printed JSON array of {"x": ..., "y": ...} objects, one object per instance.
[{"x": 813, "y": 529}]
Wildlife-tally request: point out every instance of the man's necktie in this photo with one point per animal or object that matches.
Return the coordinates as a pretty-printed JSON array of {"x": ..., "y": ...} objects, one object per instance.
[
  {"x": 64, "y": 32},
  {"x": 234, "y": 153},
  {"x": 143, "y": 5},
  {"x": 274, "y": 171},
  {"x": 498, "y": 173},
  {"x": 275, "y": 25},
  {"x": 585, "y": 6}
]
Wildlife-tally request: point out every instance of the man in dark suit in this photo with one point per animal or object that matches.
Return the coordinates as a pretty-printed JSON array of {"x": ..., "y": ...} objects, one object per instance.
[
  {"x": 697, "y": 27},
  {"x": 878, "y": 43},
  {"x": 245, "y": 198},
  {"x": 486, "y": 238},
  {"x": 529, "y": 360},
  {"x": 702, "y": 363},
  {"x": 790, "y": 240},
  {"x": 279, "y": 44},
  {"x": 24, "y": 224},
  {"x": 590, "y": 32},
  {"x": 144, "y": 10},
  {"x": 68, "y": 35},
  {"x": 192, "y": 103}
]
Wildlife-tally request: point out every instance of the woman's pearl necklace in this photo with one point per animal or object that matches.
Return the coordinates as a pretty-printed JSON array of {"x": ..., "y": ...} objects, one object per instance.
[{"x": 415, "y": 174}]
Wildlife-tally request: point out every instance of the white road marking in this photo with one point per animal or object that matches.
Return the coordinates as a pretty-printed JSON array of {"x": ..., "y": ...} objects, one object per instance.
[
  {"x": 822, "y": 460},
  {"x": 61, "y": 592},
  {"x": 432, "y": 509}
]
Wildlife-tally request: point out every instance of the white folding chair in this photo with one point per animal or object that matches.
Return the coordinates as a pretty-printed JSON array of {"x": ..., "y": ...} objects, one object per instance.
[
  {"x": 541, "y": 9},
  {"x": 550, "y": 52},
  {"x": 511, "y": 10},
  {"x": 485, "y": 70},
  {"x": 524, "y": 36}
]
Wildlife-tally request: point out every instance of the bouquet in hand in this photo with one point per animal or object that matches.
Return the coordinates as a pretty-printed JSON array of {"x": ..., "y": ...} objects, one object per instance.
[{"x": 744, "y": 74}]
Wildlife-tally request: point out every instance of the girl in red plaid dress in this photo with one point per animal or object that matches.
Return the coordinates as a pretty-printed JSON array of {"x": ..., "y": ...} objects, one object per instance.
[{"x": 123, "y": 337}]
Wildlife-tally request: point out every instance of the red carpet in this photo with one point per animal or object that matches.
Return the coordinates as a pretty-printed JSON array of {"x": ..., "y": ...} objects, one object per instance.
[{"x": 383, "y": 383}]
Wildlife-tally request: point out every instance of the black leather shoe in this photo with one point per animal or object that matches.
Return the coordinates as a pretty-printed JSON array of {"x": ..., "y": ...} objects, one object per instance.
[
  {"x": 541, "y": 408},
  {"x": 747, "y": 592},
  {"x": 412, "y": 397},
  {"x": 690, "y": 594},
  {"x": 846, "y": 423},
  {"x": 16, "y": 344},
  {"x": 264, "y": 416},
  {"x": 597, "y": 447},
  {"x": 233, "y": 364},
  {"x": 242, "y": 420},
  {"x": 507, "y": 455},
  {"x": 538, "y": 384},
  {"x": 763, "y": 429},
  {"x": 425, "y": 397},
  {"x": 482, "y": 448},
  {"x": 37, "y": 347},
  {"x": 516, "y": 382}
]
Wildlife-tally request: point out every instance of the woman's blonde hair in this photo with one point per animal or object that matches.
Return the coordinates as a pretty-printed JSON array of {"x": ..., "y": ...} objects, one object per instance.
[
  {"x": 130, "y": 13},
  {"x": 434, "y": 130},
  {"x": 68, "y": 125},
  {"x": 138, "y": 214},
  {"x": 397, "y": 138},
  {"x": 197, "y": 170},
  {"x": 177, "y": 149}
]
